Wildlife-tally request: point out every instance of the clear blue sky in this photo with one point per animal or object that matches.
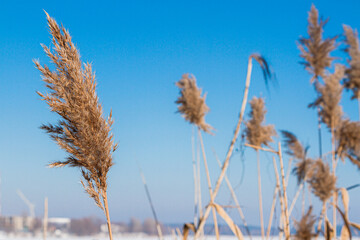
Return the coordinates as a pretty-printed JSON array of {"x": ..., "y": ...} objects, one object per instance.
[{"x": 139, "y": 49}]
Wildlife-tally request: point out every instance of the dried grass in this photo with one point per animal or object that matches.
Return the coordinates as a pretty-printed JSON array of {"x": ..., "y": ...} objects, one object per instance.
[
  {"x": 82, "y": 131},
  {"x": 293, "y": 146},
  {"x": 191, "y": 104},
  {"x": 302, "y": 169},
  {"x": 305, "y": 227},
  {"x": 256, "y": 133},
  {"x": 353, "y": 71},
  {"x": 348, "y": 141},
  {"x": 315, "y": 50},
  {"x": 329, "y": 97},
  {"x": 322, "y": 181}
]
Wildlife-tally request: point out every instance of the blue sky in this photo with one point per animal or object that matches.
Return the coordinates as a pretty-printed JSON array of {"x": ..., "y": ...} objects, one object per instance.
[{"x": 139, "y": 49}]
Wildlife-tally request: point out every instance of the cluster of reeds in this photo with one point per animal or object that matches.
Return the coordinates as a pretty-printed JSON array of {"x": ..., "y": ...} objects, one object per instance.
[
  {"x": 85, "y": 134},
  {"x": 315, "y": 172}
]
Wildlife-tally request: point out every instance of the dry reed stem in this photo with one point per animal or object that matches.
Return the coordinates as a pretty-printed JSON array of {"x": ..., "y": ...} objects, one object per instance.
[
  {"x": 234, "y": 228},
  {"x": 334, "y": 173},
  {"x": 260, "y": 148},
  {"x": 292, "y": 205},
  {"x": 195, "y": 177},
  {"x": 280, "y": 195},
  {"x": 260, "y": 196},
  {"x": 233, "y": 195},
  {"x": 231, "y": 147},
  {"x": 209, "y": 183},
  {"x": 287, "y": 225},
  {"x": 276, "y": 190},
  {"x": 322, "y": 216}
]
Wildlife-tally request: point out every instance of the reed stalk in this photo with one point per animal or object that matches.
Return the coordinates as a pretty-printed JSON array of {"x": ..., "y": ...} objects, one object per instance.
[
  {"x": 260, "y": 196},
  {"x": 195, "y": 177},
  {"x": 231, "y": 148},
  {"x": 233, "y": 195},
  {"x": 280, "y": 195},
  {"x": 287, "y": 225},
  {"x": 272, "y": 210},
  {"x": 209, "y": 184}
]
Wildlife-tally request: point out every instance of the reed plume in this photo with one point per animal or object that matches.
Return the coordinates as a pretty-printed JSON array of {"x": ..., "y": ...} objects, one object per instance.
[
  {"x": 193, "y": 109},
  {"x": 256, "y": 133},
  {"x": 295, "y": 149},
  {"x": 348, "y": 141},
  {"x": 315, "y": 50},
  {"x": 82, "y": 130},
  {"x": 322, "y": 181},
  {"x": 353, "y": 71},
  {"x": 329, "y": 97},
  {"x": 305, "y": 227},
  {"x": 191, "y": 104},
  {"x": 293, "y": 146}
]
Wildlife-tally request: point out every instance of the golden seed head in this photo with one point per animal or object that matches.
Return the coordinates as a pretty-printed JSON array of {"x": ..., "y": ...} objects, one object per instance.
[{"x": 191, "y": 104}]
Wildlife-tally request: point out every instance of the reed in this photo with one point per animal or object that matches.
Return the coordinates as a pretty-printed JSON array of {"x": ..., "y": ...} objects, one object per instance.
[
  {"x": 82, "y": 131},
  {"x": 305, "y": 227},
  {"x": 353, "y": 70},
  {"x": 257, "y": 135},
  {"x": 193, "y": 108}
]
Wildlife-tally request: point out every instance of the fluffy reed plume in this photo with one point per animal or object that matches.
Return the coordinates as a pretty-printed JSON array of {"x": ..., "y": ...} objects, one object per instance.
[
  {"x": 293, "y": 146},
  {"x": 348, "y": 141},
  {"x": 302, "y": 169},
  {"x": 322, "y": 181},
  {"x": 353, "y": 50},
  {"x": 82, "y": 131},
  {"x": 256, "y": 133},
  {"x": 329, "y": 97},
  {"x": 191, "y": 104},
  {"x": 305, "y": 227},
  {"x": 315, "y": 50}
]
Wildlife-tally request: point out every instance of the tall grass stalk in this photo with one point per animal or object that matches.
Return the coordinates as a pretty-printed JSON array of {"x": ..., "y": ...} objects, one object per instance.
[
  {"x": 231, "y": 147},
  {"x": 233, "y": 195},
  {"x": 195, "y": 177},
  {"x": 209, "y": 184},
  {"x": 287, "y": 225},
  {"x": 280, "y": 197},
  {"x": 260, "y": 196}
]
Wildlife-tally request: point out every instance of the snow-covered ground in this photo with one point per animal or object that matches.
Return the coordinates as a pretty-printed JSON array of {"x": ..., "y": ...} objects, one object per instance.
[{"x": 132, "y": 237}]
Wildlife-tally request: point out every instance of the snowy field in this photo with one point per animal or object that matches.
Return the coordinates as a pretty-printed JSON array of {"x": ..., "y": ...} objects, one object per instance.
[{"x": 132, "y": 237}]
